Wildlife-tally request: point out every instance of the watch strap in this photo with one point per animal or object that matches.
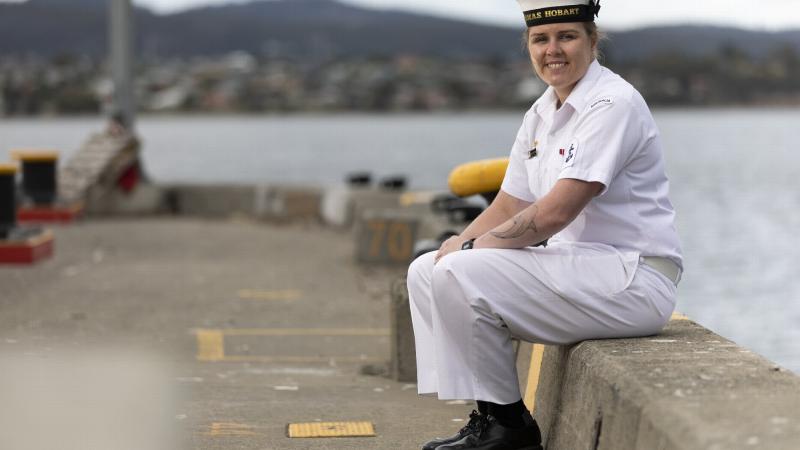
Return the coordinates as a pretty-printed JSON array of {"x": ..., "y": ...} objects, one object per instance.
[{"x": 468, "y": 245}]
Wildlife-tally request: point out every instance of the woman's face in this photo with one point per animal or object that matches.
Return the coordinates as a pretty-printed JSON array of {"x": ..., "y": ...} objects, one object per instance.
[{"x": 561, "y": 54}]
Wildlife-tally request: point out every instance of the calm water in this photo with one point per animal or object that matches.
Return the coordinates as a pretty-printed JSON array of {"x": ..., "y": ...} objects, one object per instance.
[{"x": 734, "y": 183}]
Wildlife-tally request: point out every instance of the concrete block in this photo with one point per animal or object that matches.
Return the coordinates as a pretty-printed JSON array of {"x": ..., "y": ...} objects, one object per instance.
[
  {"x": 371, "y": 200},
  {"x": 210, "y": 200},
  {"x": 336, "y": 207},
  {"x": 287, "y": 203},
  {"x": 385, "y": 237},
  {"x": 548, "y": 394},
  {"x": 145, "y": 199},
  {"x": 686, "y": 388},
  {"x": 341, "y": 206},
  {"x": 281, "y": 203},
  {"x": 403, "y": 359}
]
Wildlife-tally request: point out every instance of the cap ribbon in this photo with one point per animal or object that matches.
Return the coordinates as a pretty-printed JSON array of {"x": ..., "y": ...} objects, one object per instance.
[{"x": 560, "y": 14}]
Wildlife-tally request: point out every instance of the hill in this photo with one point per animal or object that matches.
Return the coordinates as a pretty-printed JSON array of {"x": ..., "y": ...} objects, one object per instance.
[
  {"x": 697, "y": 41},
  {"x": 317, "y": 28},
  {"x": 321, "y": 29}
]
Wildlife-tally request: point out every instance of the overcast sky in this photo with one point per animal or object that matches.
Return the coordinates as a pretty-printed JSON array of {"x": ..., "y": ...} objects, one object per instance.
[{"x": 615, "y": 14}]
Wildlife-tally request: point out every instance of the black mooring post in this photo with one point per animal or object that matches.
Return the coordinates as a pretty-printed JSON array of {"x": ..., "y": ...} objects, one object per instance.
[
  {"x": 8, "y": 201},
  {"x": 39, "y": 174}
]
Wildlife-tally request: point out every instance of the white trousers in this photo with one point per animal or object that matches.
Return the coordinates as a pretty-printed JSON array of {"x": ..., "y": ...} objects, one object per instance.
[{"x": 466, "y": 308}]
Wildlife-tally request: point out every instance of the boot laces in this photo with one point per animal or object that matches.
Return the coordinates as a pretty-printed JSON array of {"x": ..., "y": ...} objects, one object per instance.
[
  {"x": 483, "y": 424},
  {"x": 474, "y": 424}
]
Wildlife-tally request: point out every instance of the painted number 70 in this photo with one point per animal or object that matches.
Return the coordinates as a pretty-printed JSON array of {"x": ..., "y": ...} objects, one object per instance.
[{"x": 395, "y": 237}]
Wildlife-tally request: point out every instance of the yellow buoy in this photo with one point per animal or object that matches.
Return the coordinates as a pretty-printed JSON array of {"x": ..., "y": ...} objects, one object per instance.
[{"x": 478, "y": 177}]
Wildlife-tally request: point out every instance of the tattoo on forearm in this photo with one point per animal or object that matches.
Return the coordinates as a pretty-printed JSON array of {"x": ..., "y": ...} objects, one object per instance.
[{"x": 519, "y": 226}]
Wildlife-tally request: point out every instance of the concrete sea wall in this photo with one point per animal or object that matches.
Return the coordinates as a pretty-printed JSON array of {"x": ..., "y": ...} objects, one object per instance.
[{"x": 687, "y": 388}]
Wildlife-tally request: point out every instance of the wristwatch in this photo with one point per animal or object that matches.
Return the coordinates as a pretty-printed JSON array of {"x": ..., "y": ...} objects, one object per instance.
[{"x": 467, "y": 245}]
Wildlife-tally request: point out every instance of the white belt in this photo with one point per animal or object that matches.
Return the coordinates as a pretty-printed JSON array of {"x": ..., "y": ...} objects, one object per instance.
[{"x": 664, "y": 266}]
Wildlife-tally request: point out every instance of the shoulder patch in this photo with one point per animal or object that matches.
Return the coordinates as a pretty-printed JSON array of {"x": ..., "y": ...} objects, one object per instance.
[
  {"x": 570, "y": 153},
  {"x": 601, "y": 101}
]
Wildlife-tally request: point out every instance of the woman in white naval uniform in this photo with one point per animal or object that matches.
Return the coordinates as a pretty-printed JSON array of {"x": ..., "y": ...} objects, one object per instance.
[{"x": 586, "y": 174}]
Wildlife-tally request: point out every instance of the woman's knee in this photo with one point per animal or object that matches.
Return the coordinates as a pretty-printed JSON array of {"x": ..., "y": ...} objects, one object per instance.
[
  {"x": 447, "y": 273},
  {"x": 457, "y": 265},
  {"x": 420, "y": 271}
]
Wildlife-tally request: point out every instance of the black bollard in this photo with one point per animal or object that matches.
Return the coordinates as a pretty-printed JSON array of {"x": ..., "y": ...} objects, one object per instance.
[
  {"x": 443, "y": 202},
  {"x": 39, "y": 177},
  {"x": 394, "y": 183},
  {"x": 359, "y": 179},
  {"x": 8, "y": 203}
]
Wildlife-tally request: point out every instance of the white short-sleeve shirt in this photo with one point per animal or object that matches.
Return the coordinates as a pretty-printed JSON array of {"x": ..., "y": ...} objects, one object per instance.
[{"x": 603, "y": 133}]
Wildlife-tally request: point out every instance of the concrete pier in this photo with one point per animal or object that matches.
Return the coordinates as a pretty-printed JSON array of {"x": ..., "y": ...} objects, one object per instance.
[
  {"x": 305, "y": 331},
  {"x": 244, "y": 326}
]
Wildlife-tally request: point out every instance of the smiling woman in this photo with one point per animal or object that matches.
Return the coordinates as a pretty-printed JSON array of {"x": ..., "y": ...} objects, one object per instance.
[{"x": 579, "y": 244}]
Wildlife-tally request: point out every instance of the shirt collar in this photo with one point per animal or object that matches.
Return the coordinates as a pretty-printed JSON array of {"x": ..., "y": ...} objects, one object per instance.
[
  {"x": 579, "y": 95},
  {"x": 546, "y": 104}
]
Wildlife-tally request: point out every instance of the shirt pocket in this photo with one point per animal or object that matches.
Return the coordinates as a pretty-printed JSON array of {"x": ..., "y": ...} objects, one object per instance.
[
  {"x": 552, "y": 169},
  {"x": 548, "y": 170},
  {"x": 555, "y": 162}
]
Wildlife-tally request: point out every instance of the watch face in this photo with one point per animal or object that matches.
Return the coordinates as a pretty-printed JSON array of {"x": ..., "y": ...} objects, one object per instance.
[{"x": 468, "y": 244}]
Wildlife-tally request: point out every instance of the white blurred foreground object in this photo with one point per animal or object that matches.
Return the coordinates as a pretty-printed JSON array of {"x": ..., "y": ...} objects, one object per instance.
[{"x": 86, "y": 401}]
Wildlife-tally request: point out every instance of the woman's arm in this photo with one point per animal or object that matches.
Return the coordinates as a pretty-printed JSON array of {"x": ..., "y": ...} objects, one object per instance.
[
  {"x": 502, "y": 208},
  {"x": 541, "y": 220}
]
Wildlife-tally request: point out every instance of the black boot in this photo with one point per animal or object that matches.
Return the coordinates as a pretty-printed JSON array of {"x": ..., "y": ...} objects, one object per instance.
[
  {"x": 490, "y": 435},
  {"x": 474, "y": 420}
]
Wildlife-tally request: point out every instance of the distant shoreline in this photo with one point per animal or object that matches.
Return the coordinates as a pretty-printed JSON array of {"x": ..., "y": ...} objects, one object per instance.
[{"x": 792, "y": 107}]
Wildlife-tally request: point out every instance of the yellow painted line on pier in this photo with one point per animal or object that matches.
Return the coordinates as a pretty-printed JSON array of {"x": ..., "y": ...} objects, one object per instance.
[
  {"x": 330, "y": 429},
  {"x": 679, "y": 316},
  {"x": 306, "y": 331},
  {"x": 220, "y": 429},
  {"x": 301, "y": 359},
  {"x": 533, "y": 376},
  {"x": 210, "y": 345},
  {"x": 256, "y": 294}
]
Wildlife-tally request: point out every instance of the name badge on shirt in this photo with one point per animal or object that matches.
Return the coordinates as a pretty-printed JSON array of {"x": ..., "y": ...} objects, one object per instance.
[{"x": 601, "y": 102}]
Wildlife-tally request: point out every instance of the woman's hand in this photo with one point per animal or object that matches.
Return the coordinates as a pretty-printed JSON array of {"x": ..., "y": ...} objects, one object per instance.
[
  {"x": 500, "y": 210},
  {"x": 452, "y": 244}
]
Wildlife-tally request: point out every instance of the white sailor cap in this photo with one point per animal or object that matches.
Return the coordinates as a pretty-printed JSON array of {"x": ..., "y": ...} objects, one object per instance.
[{"x": 541, "y": 12}]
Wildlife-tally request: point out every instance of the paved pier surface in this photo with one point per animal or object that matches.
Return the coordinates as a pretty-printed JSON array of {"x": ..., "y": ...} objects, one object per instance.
[{"x": 259, "y": 325}]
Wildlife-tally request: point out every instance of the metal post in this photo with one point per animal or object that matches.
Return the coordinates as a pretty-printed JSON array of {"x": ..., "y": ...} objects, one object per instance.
[{"x": 121, "y": 34}]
